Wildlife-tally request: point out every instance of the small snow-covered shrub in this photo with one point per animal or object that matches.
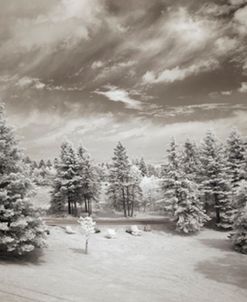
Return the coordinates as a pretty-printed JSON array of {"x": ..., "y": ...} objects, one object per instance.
[
  {"x": 147, "y": 228},
  {"x": 133, "y": 230},
  {"x": 69, "y": 230},
  {"x": 110, "y": 234},
  {"x": 87, "y": 228}
]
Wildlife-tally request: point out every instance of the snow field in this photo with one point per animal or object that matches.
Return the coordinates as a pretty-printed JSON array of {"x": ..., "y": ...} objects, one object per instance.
[{"x": 158, "y": 266}]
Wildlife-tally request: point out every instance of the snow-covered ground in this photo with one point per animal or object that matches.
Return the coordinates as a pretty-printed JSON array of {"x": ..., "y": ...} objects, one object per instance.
[{"x": 158, "y": 266}]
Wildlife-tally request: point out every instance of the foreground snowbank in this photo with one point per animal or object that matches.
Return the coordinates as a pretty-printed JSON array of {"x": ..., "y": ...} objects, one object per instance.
[{"x": 158, "y": 266}]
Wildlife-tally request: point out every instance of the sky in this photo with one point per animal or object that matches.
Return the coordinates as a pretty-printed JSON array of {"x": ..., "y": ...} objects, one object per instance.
[{"x": 97, "y": 72}]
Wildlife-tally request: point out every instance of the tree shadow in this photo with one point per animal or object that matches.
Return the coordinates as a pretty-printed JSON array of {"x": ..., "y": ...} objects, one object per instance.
[
  {"x": 35, "y": 257},
  {"x": 78, "y": 251},
  {"x": 169, "y": 227},
  {"x": 220, "y": 244},
  {"x": 231, "y": 269}
]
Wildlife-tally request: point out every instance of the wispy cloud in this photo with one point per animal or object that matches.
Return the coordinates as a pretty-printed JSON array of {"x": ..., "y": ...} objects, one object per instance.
[
  {"x": 178, "y": 73},
  {"x": 26, "y": 82},
  {"x": 116, "y": 94}
]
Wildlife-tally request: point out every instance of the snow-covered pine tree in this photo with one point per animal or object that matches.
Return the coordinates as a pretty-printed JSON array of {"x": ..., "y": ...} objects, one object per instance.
[
  {"x": 214, "y": 184},
  {"x": 21, "y": 228},
  {"x": 143, "y": 167},
  {"x": 190, "y": 160},
  {"x": 235, "y": 154},
  {"x": 239, "y": 234},
  {"x": 118, "y": 178},
  {"x": 133, "y": 190},
  {"x": 49, "y": 164},
  {"x": 181, "y": 196},
  {"x": 42, "y": 164},
  {"x": 240, "y": 196},
  {"x": 66, "y": 184},
  {"x": 89, "y": 180}
]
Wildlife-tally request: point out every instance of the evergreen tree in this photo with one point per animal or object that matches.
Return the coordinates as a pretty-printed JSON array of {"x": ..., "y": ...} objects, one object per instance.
[
  {"x": 27, "y": 160},
  {"x": 240, "y": 196},
  {"x": 133, "y": 190},
  {"x": 42, "y": 164},
  {"x": 239, "y": 234},
  {"x": 142, "y": 166},
  {"x": 55, "y": 162},
  {"x": 181, "y": 197},
  {"x": 190, "y": 161},
  {"x": 152, "y": 171},
  {"x": 21, "y": 228},
  {"x": 235, "y": 153},
  {"x": 89, "y": 181},
  {"x": 34, "y": 165},
  {"x": 214, "y": 184},
  {"x": 121, "y": 182},
  {"x": 48, "y": 164},
  {"x": 67, "y": 182}
]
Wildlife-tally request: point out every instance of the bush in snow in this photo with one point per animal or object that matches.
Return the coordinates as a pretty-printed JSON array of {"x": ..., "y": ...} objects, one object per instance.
[
  {"x": 110, "y": 234},
  {"x": 87, "y": 228},
  {"x": 133, "y": 230},
  {"x": 21, "y": 229}
]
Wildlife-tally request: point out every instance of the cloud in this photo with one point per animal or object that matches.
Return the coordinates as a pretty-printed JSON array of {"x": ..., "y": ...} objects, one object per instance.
[
  {"x": 26, "y": 82},
  {"x": 238, "y": 2},
  {"x": 116, "y": 94},
  {"x": 178, "y": 73},
  {"x": 114, "y": 68},
  {"x": 240, "y": 19},
  {"x": 226, "y": 92},
  {"x": 97, "y": 64},
  {"x": 65, "y": 25},
  {"x": 243, "y": 88}
]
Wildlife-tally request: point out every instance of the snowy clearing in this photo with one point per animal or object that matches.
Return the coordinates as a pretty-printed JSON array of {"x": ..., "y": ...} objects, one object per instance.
[{"x": 157, "y": 266}]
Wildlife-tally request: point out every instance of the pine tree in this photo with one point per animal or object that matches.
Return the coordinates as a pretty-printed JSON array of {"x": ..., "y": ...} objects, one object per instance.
[
  {"x": 235, "y": 153},
  {"x": 239, "y": 234},
  {"x": 34, "y": 165},
  {"x": 214, "y": 184},
  {"x": 133, "y": 190},
  {"x": 120, "y": 182},
  {"x": 21, "y": 228},
  {"x": 190, "y": 161},
  {"x": 67, "y": 182},
  {"x": 240, "y": 196},
  {"x": 89, "y": 181},
  {"x": 181, "y": 197},
  {"x": 143, "y": 167},
  {"x": 48, "y": 164},
  {"x": 55, "y": 162},
  {"x": 42, "y": 164}
]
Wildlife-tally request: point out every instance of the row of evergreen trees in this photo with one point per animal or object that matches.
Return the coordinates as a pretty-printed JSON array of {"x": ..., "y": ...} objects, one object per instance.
[{"x": 206, "y": 181}]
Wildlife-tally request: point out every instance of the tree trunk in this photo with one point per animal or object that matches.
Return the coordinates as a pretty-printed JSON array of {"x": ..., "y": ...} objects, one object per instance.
[
  {"x": 86, "y": 208},
  {"x": 217, "y": 209},
  {"x": 128, "y": 201},
  {"x": 124, "y": 203},
  {"x": 69, "y": 206},
  {"x": 86, "y": 246},
  {"x": 89, "y": 207},
  {"x": 75, "y": 208}
]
